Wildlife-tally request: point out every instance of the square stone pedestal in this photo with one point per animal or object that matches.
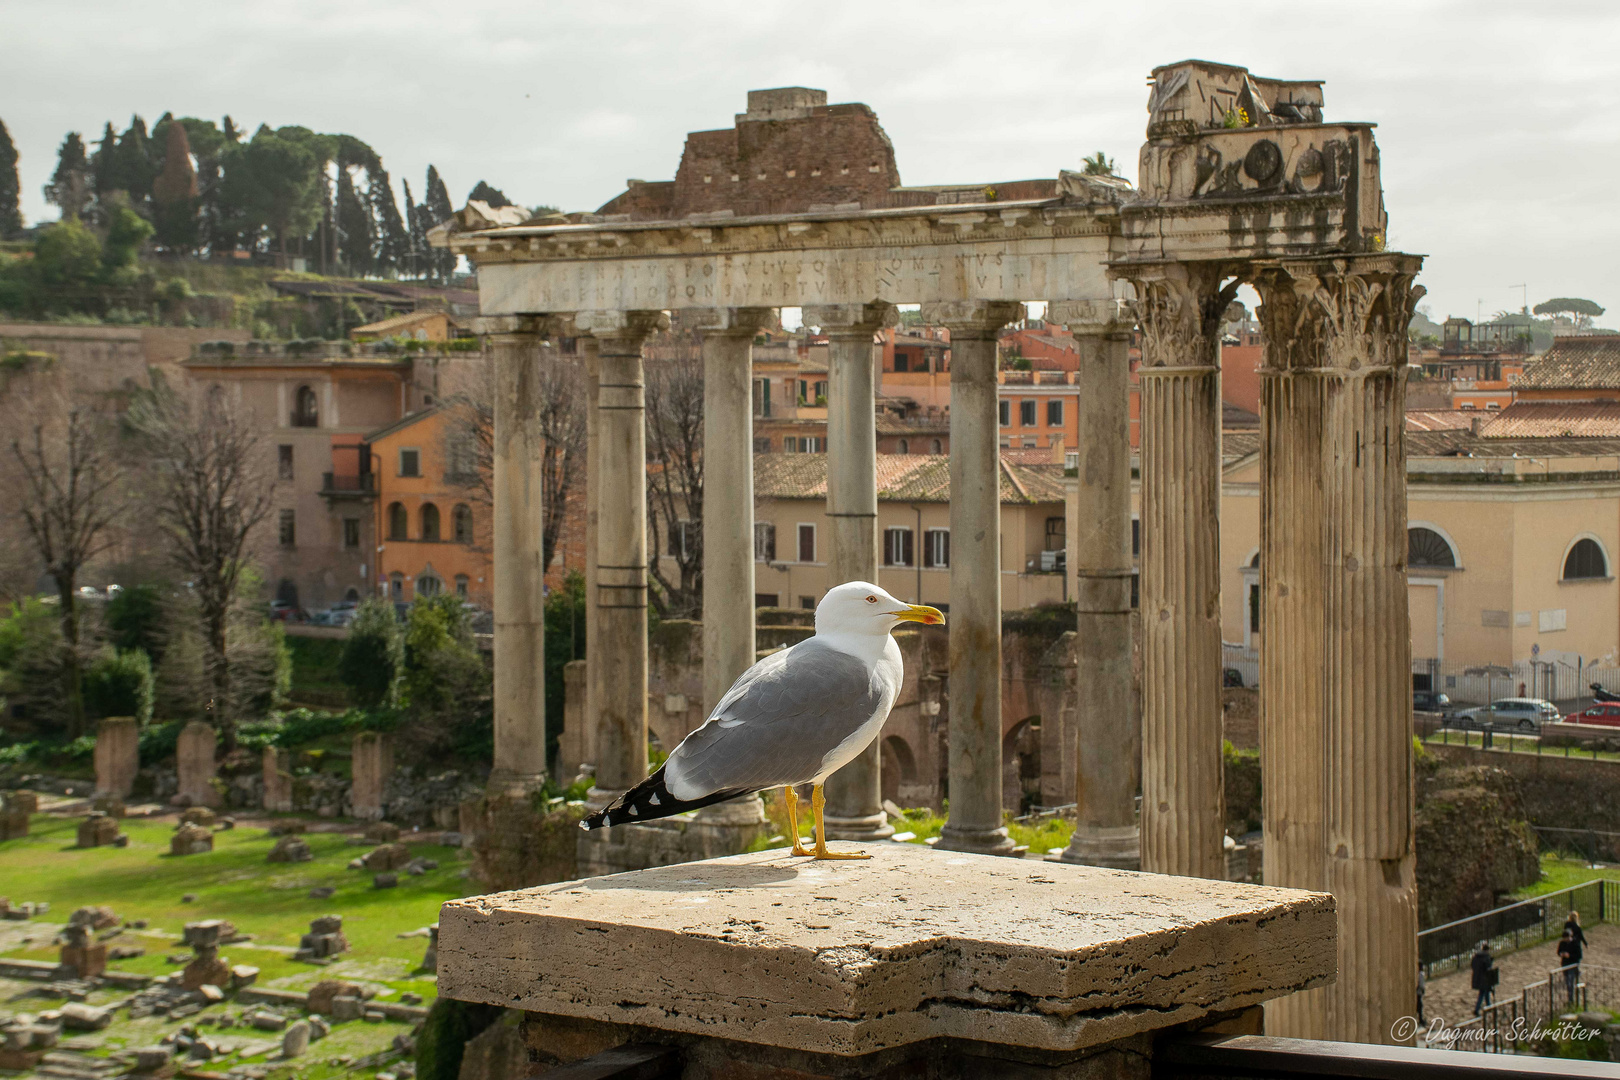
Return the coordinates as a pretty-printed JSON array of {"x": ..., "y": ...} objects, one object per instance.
[{"x": 913, "y": 959}]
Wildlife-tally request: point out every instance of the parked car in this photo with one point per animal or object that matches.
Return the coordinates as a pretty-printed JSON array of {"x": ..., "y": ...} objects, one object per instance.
[
  {"x": 1602, "y": 713},
  {"x": 339, "y": 614},
  {"x": 1430, "y": 701},
  {"x": 282, "y": 611},
  {"x": 1506, "y": 714}
]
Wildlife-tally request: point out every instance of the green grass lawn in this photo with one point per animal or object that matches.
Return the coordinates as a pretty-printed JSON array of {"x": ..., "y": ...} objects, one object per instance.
[
  {"x": 268, "y": 900},
  {"x": 1513, "y": 742},
  {"x": 1559, "y": 872}
]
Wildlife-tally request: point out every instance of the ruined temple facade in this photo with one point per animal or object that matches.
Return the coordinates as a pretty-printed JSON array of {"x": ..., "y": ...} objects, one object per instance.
[{"x": 799, "y": 204}]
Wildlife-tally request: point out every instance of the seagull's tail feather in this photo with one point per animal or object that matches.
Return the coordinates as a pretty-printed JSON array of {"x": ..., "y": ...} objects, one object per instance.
[{"x": 651, "y": 799}]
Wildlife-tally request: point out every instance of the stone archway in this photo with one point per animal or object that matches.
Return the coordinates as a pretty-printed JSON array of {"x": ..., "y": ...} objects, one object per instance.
[
  {"x": 1021, "y": 766},
  {"x": 899, "y": 771}
]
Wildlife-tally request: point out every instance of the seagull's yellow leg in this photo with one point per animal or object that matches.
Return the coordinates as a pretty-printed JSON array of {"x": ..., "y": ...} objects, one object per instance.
[
  {"x": 817, "y": 802},
  {"x": 793, "y": 820}
]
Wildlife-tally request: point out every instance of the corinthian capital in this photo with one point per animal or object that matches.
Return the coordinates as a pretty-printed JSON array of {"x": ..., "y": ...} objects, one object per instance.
[
  {"x": 966, "y": 317},
  {"x": 852, "y": 318},
  {"x": 1351, "y": 312},
  {"x": 621, "y": 325},
  {"x": 1179, "y": 307}
]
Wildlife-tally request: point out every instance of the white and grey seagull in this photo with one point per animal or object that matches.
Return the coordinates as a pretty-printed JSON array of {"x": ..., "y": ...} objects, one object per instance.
[{"x": 796, "y": 717}]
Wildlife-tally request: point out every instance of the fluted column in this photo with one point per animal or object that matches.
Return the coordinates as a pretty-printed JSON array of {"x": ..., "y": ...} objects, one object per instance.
[
  {"x": 519, "y": 601},
  {"x": 855, "y": 792},
  {"x": 619, "y": 592},
  {"x": 1183, "y": 811},
  {"x": 1099, "y": 527},
  {"x": 1363, "y": 306},
  {"x": 728, "y": 517},
  {"x": 975, "y": 732},
  {"x": 1292, "y": 734},
  {"x": 593, "y": 666}
]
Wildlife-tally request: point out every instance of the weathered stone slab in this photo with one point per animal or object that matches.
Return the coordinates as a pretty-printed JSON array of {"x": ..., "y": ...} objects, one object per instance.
[
  {"x": 855, "y": 957},
  {"x": 277, "y": 766},
  {"x": 117, "y": 755},
  {"x": 194, "y": 757},
  {"x": 372, "y": 764}
]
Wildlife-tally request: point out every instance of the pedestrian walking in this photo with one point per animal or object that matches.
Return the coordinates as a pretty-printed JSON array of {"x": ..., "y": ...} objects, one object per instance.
[
  {"x": 1569, "y": 958},
  {"x": 1484, "y": 976},
  {"x": 1422, "y": 980},
  {"x": 1572, "y": 925}
]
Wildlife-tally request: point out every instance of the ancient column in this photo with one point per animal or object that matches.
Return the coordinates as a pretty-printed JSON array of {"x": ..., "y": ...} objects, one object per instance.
[
  {"x": 1099, "y": 528},
  {"x": 619, "y": 590},
  {"x": 1292, "y": 748},
  {"x": 519, "y": 700},
  {"x": 1183, "y": 815},
  {"x": 855, "y": 792},
  {"x": 728, "y": 518},
  {"x": 1363, "y": 305},
  {"x": 371, "y": 766},
  {"x": 975, "y": 731},
  {"x": 593, "y": 689}
]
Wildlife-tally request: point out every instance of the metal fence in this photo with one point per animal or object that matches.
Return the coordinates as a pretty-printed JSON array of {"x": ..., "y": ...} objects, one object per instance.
[
  {"x": 1446, "y": 948},
  {"x": 1506, "y": 1026},
  {"x": 1553, "y": 676},
  {"x": 1439, "y": 729},
  {"x": 1246, "y": 662},
  {"x": 1588, "y": 844}
]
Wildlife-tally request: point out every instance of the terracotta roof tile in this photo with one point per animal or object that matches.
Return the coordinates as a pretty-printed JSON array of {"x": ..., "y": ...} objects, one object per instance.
[
  {"x": 901, "y": 478},
  {"x": 1555, "y": 419},
  {"x": 1585, "y": 363},
  {"x": 1440, "y": 419}
]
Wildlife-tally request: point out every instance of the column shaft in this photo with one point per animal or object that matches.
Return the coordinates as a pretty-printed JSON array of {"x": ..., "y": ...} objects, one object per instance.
[
  {"x": 593, "y": 470},
  {"x": 519, "y": 602},
  {"x": 1106, "y": 831},
  {"x": 619, "y": 592},
  {"x": 855, "y": 792},
  {"x": 1370, "y": 864},
  {"x": 1183, "y": 819},
  {"x": 728, "y": 512},
  {"x": 975, "y": 822}
]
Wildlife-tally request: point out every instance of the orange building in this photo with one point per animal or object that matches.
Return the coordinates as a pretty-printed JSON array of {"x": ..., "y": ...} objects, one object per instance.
[{"x": 433, "y": 516}]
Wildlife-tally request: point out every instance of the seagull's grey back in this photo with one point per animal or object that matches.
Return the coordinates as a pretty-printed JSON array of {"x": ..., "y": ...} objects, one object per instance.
[{"x": 780, "y": 720}]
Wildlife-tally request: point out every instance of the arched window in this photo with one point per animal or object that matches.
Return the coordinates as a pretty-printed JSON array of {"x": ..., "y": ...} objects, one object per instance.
[
  {"x": 430, "y": 522},
  {"x": 396, "y": 586},
  {"x": 461, "y": 523},
  {"x": 428, "y": 584},
  {"x": 905, "y": 447},
  {"x": 1585, "y": 560},
  {"x": 396, "y": 521},
  {"x": 305, "y": 411},
  {"x": 939, "y": 447},
  {"x": 1426, "y": 548},
  {"x": 461, "y": 586},
  {"x": 352, "y": 595}
]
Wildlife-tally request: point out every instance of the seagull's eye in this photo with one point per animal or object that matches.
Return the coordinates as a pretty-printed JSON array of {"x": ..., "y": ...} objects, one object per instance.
[{"x": 871, "y": 599}]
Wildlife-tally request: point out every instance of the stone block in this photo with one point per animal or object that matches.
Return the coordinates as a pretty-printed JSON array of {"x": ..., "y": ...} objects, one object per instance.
[
  {"x": 191, "y": 839},
  {"x": 87, "y": 960},
  {"x": 322, "y": 892},
  {"x": 290, "y": 849},
  {"x": 347, "y": 1007},
  {"x": 326, "y": 924},
  {"x": 913, "y": 945},
  {"x": 97, "y": 917},
  {"x": 266, "y": 1021},
  {"x": 111, "y": 805},
  {"x": 117, "y": 755},
  {"x": 208, "y": 933},
  {"x": 97, "y": 830},
  {"x": 296, "y": 1039},
  {"x": 13, "y": 824},
  {"x": 212, "y": 993},
  {"x": 278, "y": 782},
  {"x": 323, "y": 993},
  {"x": 382, "y": 832},
  {"x": 150, "y": 1058},
  {"x": 199, "y": 815},
  {"x": 386, "y": 857},
  {"x": 25, "y": 801},
  {"x": 81, "y": 1017},
  {"x": 205, "y": 970},
  {"x": 323, "y": 945},
  {"x": 385, "y": 881},
  {"x": 194, "y": 755},
  {"x": 371, "y": 766}
]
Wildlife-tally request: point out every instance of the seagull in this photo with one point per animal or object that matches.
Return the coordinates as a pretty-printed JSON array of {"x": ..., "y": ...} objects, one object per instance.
[{"x": 796, "y": 717}]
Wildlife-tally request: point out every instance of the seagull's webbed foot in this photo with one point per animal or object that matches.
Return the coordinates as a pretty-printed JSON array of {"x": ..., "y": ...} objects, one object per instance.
[
  {"x": 817, "y": 802},
  {"x": 793, "y": 821}
]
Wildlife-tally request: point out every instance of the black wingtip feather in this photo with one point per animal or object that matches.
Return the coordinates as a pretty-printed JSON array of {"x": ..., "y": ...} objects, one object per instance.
[{"x": 648, "y": 801}]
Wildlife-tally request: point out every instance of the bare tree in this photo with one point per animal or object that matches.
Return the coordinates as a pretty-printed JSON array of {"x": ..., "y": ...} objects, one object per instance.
[
  {"x": 70, "y": 493},
  {"x": 675, "y": 485},
  {"x": 469, "y": 450},
  {"x": 212, "y": 489}
]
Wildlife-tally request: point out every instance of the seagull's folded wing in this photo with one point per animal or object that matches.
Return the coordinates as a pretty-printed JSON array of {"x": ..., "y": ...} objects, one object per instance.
[{"x": 777, "y": 723}]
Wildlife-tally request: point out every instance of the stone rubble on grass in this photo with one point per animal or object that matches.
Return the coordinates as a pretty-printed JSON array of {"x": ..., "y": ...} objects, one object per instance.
[
  {"x": 450, "y": 839},
  {"x": 189, "y": 898},
  {"x": 98, "y": 917},
  {"x": 191, "y": 839},
  {"x": 268, "y": 1021},
  {"x": 347, "y": 1008},
  {"x": 198, "y": 815},
  {"x": 322, "y": 892},
  {"x": 243, "y": 975},
  {"x": 287, "y": 827},
  {"x": 385, "y": 881},
  {"x": 97, "y": 830},
  {"x": 82, "y": 1017},
  {"x": 325, "y": 939},
  {"x": 318, "y": 1027},
  {"x": 150, "y": 1058},
  {"x": 390, "y": 856},
  {"x": 421, "y": 866},
  {"x": 290, "y": 849},
  {"x": 382, "y": 832},
  {"x": 430, "y": 960},
  {"x": 296, "y": 1039}
]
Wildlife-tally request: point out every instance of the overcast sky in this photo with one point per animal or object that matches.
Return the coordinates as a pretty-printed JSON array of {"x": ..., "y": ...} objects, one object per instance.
[{"x": 1498, "y": 120}]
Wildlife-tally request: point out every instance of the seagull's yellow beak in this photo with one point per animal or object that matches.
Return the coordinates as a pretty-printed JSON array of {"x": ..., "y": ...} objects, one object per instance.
[{"x": 920, "y": 613}]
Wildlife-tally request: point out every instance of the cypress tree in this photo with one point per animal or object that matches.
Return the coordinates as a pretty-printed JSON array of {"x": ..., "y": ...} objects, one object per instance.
[
  {"x": 174, "y": 193},
  {"x": 437, "y": 209},
  {"x": 356, "y": 240},
  {"x": 495, "y": 197},
  {"x": 10, "y": 187},
  {"x": 70, "y": 184},
  {"x": 105, "y": 163},
  {"x": 415, "y": 235},
  {"x": 395, "y": 243},
  {"x": 135, "y": 165}
]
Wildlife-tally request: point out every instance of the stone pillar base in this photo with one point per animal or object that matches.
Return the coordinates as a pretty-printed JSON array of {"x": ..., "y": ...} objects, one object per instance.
[
  {"x": 669, "y": 840},
  {"x": 507, "y": 782},
  {"x": 861, "y": 829},
  {"x": 515, "y": 844},
  {"x": 979, "y": 842},
  {"x": 1117, "y": 848}
]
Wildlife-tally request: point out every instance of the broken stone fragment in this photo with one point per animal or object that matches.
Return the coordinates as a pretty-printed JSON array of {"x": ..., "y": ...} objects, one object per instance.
[
  {"x": 82, "y": 1017},
  {"x": 296, "y": 1039},
  {"x": 385, "y": 881}
]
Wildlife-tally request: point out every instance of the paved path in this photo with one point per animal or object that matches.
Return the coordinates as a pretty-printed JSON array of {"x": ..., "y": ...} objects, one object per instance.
[{"x": 1451, "y": 998}]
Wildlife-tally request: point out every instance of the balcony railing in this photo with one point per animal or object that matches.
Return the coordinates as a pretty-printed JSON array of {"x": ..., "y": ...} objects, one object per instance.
[{"x": 349, "y": 485}]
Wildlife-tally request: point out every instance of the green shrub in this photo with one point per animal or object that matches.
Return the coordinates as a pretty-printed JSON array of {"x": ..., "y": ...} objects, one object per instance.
[
  {"x": 374, "y": 655},
  {"x": 158, "y": 741},
  {"x": 134, "y": 620},
  {"x": 119, "y": 683}
]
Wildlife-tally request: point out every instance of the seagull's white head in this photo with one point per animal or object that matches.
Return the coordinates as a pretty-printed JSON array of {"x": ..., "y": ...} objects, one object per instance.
[{"x": 858, "y": 607}]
